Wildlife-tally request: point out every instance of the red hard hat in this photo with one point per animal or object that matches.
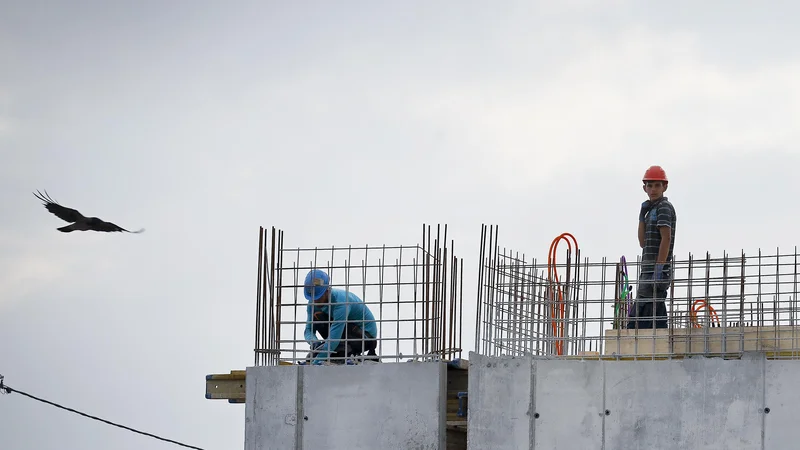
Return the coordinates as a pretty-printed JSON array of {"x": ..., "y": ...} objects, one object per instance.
[{"x": 655, "y": 173}]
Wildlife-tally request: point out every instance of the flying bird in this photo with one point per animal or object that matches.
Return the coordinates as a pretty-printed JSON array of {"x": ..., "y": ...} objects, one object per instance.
[{"x": 79, "y": 221}]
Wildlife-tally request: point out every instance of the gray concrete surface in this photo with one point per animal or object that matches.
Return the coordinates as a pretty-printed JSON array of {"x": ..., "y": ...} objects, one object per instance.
[
  {"x": 500, "y": 403},
  {"x": 782, "y": 397},
  {"x": 693, "y": 403},
  {"x": 560, "y": 383},
  {"x": 698, "y": 403},
  {"x": 271, "y": 407},
  {"x": 346, "y": 407}
]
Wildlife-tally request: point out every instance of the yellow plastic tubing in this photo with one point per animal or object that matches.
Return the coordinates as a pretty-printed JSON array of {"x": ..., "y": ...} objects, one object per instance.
[{"x": 558, "y": 306}]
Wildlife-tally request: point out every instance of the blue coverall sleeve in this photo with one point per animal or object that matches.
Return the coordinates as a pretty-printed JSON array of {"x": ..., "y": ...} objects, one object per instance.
[
  {"x": 336, "y": 330},
  {"x": 309, "y": 332}
]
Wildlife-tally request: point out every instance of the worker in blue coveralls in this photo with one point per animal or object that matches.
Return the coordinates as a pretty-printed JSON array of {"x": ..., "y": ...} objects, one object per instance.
[
  {"x": 657, "y": 220},
  {"x": 344, "y": 322}
]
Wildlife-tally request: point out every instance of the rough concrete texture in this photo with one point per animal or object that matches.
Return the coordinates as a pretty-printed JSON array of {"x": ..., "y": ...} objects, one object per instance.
[
  {"x": 783, "y": 402},
  {"x": 499, "y": 403},
  {"x": 697, "y": 403},
  {"x": 559, "y": 383},
  {"x": 690, "y": 403},
  {"x": 271, "y": 407},
  {"x": 346, "y": 407}
]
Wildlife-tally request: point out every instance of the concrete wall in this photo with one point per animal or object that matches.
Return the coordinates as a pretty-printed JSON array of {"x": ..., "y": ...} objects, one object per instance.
[
  {"x": 346, "y": 407},
  {"x": 698, "y": 403}
]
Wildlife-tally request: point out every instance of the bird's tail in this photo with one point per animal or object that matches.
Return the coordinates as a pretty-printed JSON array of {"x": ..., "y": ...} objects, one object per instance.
[{"x": 140, "y": 230}]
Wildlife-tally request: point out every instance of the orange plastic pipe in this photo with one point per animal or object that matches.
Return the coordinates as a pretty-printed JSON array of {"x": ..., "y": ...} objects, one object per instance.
[
  {"x": 558, "y": 308},
  {"x": 696, "y": 309}
]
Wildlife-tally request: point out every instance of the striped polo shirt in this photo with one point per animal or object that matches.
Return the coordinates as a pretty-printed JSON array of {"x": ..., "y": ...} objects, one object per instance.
[{"x": 661, "y": 215}]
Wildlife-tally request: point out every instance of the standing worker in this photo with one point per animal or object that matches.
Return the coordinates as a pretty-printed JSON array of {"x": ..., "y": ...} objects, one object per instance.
[
  {"x": 657, "y": 239},
  {"x": 343, "y": 320}
]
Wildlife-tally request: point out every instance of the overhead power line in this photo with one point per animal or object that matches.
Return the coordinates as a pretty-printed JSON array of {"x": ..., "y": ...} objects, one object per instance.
[{"x": 5, "y": 389}]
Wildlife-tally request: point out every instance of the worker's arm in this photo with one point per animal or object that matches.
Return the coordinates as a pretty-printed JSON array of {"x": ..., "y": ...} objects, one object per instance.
[
  {"x": 337, "y": 328},
  {"x": 643, "y": 210},
  {"x": 665, "y": 219},
  {"x": 309, "y": 334},
  {"x": 641, "y": 234},
  {"x": 663, "y": 249}
]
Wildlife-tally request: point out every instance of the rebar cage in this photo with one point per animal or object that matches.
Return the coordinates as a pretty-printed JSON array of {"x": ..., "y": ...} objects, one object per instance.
[
  {"x": 576, "y": 308},
  {"x": 413, "y": 291}
]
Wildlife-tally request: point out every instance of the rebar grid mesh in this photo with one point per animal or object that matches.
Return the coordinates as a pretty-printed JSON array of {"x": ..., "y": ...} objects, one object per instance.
[
  {"x": 571, "y": 307},
  {"x": 413, "y": 291}
]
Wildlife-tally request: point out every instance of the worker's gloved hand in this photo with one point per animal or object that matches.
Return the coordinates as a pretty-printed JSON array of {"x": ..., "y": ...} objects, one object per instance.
[
  {"x": 316, "y": 362},
  {"x": 658, "y": 273},
  {"x": 643, "y": 210}
]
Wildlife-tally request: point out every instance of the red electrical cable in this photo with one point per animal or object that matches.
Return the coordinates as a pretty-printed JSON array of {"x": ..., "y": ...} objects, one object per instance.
[
  {"x": 558, "y": 306},
  {"x": 695, "y": 309}
]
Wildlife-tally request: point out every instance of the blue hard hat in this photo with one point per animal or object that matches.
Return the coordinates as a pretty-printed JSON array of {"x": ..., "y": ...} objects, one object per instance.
[{"x": 317, "y": 282}]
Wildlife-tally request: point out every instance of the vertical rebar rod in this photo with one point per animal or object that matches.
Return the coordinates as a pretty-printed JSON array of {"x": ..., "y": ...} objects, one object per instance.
[
  {"x": 541, "y": 310},
  {"x": 527, "y": 291},
  {"x": 575, "y": 302},
  {"x": 381, "y": 284},
  {"x": 258, "y": 298},
  {"x": 426, "y": 301},
  {"x": 461, "y": 310},
  {"x": 724, "y": 319},
  {"x": 451, "y": 324},
  {"x": 479, "y": 304},
  {"x": 398, "y": 299},
  {"x": 442, "y": 311},
  {"x": 442, "y": 316},
  {"x": 417, "y": 310},
  {"x": 490, "y": 292},
  {"x": 793, "y": 305},
  {"x": 759, "y": 315},
  {"x": 741, "y": 303},
  {"x": 775, "y": 309},
  {"x": 274, "y": 324},
  {"x": 602, "y": 301},
  {"x": 585, "y": 304},
  {"x": 707, "y": 300},
  {"x": 277, "y": 281}
]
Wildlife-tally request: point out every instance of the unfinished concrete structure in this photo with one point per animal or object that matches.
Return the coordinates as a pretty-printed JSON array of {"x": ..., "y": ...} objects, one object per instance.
[
  {"x": 414, "y": 291},
  {"x": 409, "y": 400},
  {"x": 553, "y": 366}
]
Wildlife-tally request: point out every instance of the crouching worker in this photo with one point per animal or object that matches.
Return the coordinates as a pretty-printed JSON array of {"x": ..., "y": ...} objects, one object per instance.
[{"x": 343, "y": 321}]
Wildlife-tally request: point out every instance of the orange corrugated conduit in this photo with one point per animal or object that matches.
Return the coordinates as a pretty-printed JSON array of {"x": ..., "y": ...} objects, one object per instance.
[
  {"x": 558, "y": 305},
  {"x": 696, "y": 309}
]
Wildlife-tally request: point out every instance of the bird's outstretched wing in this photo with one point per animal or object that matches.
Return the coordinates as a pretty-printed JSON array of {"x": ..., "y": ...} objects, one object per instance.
[
  {"x": 101, "y": 225},
  {"x": 63, "y": 213}
]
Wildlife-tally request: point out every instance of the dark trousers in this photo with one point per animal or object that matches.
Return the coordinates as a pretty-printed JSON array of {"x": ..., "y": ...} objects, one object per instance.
[
  {"x": 351, "y": 341},
  {"x": 650, "y": 308}
]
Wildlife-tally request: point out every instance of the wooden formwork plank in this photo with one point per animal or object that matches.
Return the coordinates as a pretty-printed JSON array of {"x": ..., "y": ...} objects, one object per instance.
[{"x": 716, "y": 340}]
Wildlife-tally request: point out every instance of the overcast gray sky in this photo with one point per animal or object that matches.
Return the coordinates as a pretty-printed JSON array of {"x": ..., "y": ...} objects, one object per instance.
[{"x": 344, "y": 123}]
